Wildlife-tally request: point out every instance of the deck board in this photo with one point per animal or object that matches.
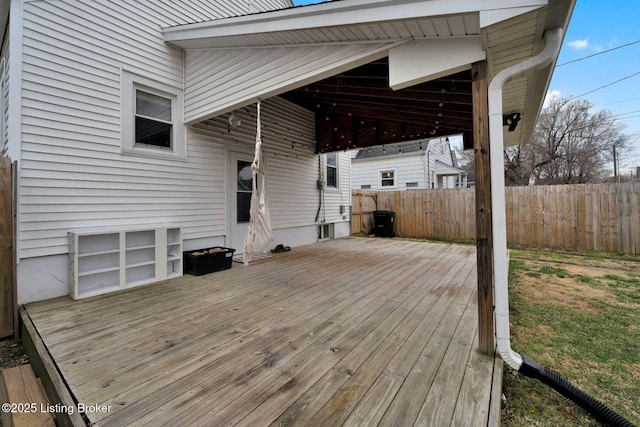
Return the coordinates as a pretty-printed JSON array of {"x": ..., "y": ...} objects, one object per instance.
[{"x": 345, "y": 332}]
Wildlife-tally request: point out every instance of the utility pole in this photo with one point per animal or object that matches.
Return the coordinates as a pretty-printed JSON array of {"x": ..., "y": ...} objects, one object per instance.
[{"x": 615, "y": 164}]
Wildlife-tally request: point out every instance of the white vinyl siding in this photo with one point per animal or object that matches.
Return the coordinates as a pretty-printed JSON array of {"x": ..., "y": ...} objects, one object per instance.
[
  {"x": 333, "y": 198},
  {"x": 288, "y": 133},
  {"x": 72, "y": 172},
  {"x": 220, "y": 80},
  {"x": 408, "y": 168}
]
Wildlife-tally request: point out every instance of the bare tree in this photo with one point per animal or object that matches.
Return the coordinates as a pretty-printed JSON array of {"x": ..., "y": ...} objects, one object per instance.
[{"x": 570, "y": 145}]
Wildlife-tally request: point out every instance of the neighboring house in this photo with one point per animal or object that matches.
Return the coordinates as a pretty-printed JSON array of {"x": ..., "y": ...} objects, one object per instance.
[
  {"x": 79, "y": 77},
  {"x": 418, "y": 165}
]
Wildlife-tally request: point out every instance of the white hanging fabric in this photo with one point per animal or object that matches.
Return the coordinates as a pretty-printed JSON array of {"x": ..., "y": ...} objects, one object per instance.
[{"x": 259, "y": 233}]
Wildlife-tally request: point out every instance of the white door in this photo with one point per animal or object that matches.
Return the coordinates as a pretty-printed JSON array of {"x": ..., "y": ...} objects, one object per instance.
[{"x": 239, "y": 199}]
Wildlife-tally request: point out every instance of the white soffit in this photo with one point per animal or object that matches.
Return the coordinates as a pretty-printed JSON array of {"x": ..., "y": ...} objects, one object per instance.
[
  {"x": 423, "y": 60},
  {"x": 490, "y": 17},
  {"x": 352, "y": 20}
]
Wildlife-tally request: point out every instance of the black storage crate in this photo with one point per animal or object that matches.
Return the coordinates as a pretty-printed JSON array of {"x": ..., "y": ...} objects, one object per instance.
[
  {"x": 204, "y": 261},
  {"x": 383, "y": 221}
]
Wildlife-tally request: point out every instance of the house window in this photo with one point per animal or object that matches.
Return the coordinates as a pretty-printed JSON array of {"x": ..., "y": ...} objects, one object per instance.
[
  {"x": 325, "y": 231},
  {"x": 332, "y": 170},
  {"x": 152, "y": 118},
  {"x": 412, "y": 184},
  {"x": 365, "y": 187},
  {"x": 388, "y": 178}
]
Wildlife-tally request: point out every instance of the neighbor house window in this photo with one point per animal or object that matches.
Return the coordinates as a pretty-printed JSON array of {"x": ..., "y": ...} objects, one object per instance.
[
  {"x": 152, "y": 118},
  {"x": 365, "y": 187},
  {"x": 388, "y": 178},
  {"x": 412, "y": 184},
  {"x": 332, "y": 170}
]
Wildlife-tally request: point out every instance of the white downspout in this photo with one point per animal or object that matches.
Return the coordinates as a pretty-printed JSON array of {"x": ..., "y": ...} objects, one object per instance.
[{"x": 553, "y": 40}]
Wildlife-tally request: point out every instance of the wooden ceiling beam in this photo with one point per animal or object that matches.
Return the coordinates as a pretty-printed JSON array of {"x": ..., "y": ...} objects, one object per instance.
[{"x": 357, "y": 108}]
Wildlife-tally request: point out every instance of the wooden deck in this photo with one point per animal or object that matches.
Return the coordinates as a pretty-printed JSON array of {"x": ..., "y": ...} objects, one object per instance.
[{"x": 346, "y": 332}]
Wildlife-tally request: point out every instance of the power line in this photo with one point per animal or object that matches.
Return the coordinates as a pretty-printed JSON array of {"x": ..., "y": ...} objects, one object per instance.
[
  {"x": 598, "y": 53},
  {"x": 628, "y": 112},
  {"x": 630, "y": 117},
  {"x": 602, "y": 87},
  {"x": 621, "y": 101}
]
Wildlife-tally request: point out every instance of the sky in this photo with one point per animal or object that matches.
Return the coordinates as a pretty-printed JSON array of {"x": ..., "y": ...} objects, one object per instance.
[{"x": 610, "y": 79}]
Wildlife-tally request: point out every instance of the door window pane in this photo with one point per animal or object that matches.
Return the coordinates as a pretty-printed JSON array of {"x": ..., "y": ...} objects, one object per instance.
[{"x": 244, "y": 189}]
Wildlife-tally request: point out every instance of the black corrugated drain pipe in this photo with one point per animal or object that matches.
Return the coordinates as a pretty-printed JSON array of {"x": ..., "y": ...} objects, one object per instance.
[{"x": 601, "y": 412}]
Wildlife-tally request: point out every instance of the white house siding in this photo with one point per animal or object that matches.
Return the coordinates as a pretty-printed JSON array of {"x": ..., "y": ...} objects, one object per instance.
[
  {"x": 219, "y": 80},
  {"x": 340, "y": 196},
  {"x": 73, "y": 174},
  {"x": 409, "y": 168},
  {"x": 288, "y": 134}
]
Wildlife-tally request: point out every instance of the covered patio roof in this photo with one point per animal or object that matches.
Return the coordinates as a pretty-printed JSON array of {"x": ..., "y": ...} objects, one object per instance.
[{"x": 374, "y": 72}]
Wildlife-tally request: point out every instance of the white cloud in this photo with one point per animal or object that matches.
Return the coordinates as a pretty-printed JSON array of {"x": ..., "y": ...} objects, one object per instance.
[
  {"x": 552, "y": 94},
  {"x": 579, "y": 44}
]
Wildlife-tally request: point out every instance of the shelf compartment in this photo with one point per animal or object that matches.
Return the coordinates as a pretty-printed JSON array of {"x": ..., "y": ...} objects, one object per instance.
[
  {"x": 98, "y": 262},
  {"x": 174, "y": 236},
  {"x": 141, "y": 255},
  {"x": 140, "y": 273},
  {"x": 105, "y": 243},
  {"x": 98, "y": 282},
  {"x": 140, "y": 239}
]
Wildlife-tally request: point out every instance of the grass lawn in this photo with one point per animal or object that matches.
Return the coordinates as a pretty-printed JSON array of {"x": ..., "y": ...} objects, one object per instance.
[{"x": 580, "y": 316}]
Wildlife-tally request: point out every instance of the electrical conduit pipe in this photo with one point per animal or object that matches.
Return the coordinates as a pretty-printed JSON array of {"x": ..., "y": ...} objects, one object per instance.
[{"x": 522, "y": 362}]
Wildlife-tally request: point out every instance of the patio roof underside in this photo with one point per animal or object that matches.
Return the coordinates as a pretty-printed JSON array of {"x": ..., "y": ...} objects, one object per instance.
[
  {"x": 340, "y": 60},
  {"x": 357, "y": 108}
]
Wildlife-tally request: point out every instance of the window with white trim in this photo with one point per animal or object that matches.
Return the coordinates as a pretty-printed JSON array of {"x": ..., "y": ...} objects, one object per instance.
[
  {"x": 332, "y": 170},
  {"x": 152, "y": 118},
  {"x": 388, "y": 178}
]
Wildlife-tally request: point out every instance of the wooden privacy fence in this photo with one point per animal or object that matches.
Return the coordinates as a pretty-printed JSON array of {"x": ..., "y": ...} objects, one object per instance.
[
  {"x": 589, "y": 216},
  {"x": 8, "y": 313}
]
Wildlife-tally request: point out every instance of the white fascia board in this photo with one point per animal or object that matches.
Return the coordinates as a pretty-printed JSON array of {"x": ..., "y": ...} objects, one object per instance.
[
  {"x": 423, "y": 60},
  {"x": 345, "y": 12}
]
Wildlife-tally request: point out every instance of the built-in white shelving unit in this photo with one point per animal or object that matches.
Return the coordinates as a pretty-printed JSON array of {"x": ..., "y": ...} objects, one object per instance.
[{"x": 102, "y": 261}]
